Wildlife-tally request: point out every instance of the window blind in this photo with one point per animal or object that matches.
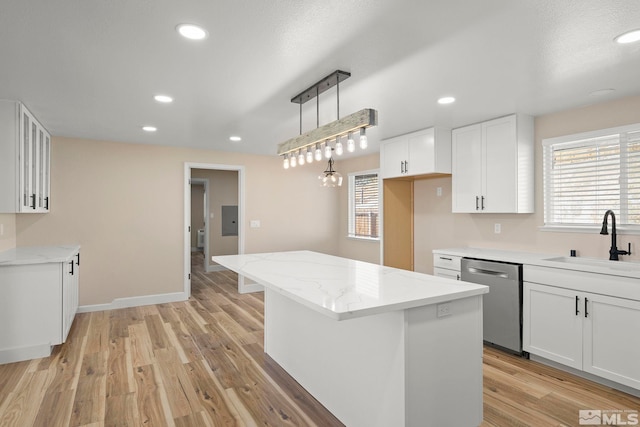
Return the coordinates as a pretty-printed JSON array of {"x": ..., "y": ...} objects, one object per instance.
[
  {"x": 584, "y": 178},
  {"x": 364, "y": 206}
]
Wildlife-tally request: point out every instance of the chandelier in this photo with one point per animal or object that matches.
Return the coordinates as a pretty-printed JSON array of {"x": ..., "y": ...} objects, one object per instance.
[{"x": 324, "y": 140}]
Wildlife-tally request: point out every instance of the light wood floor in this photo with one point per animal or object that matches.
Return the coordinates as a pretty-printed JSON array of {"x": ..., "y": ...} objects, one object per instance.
[{"x": 201, "y": 363}]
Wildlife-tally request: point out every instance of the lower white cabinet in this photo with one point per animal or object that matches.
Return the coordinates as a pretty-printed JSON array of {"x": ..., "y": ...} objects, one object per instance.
[
  {"x": 445, "y": 265},
  {"x": 586, "y": 331},
  {"x": 38, "y": 302}
]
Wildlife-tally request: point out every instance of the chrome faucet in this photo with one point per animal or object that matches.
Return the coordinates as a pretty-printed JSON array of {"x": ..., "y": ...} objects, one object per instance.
[{"x": 614, "y": 251}]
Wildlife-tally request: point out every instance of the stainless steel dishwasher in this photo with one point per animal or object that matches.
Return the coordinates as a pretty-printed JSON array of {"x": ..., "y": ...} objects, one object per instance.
[{"x": 502, "y": 306}]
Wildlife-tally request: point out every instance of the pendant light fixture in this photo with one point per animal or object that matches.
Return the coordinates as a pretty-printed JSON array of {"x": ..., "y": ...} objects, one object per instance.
[
  {"x": 319, "y": 139},
  {"x": 330, "y": 177}
]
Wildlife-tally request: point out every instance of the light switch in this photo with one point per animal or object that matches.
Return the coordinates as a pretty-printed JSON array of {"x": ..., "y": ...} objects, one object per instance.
[
  {"x": 1, "y": 229},
  {"x": 255, "y": 223}
]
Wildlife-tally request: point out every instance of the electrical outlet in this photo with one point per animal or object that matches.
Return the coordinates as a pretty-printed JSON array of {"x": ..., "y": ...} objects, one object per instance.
[
  {"x": 439, "y": 191},
  {"x": 1, "y": 229},
  {"x": 497, "y": 228},
  {"x": 255, "y": 223},
  {"x": 443, "y": 309}
]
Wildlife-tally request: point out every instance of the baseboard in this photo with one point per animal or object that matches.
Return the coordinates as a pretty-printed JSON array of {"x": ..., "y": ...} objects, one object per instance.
[
  {"x": 216, "y": 267},
  {"x": 25, "y": 353},
  {"x": 134, "y": 302}
]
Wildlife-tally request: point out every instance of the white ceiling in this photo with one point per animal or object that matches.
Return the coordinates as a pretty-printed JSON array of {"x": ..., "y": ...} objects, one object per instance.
[{"x": 90, "y": 68}]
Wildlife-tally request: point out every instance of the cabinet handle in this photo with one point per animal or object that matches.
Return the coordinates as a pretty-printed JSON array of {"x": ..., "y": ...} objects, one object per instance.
[
  {"x": 33, "y": 201},
  {"x": 71, "y": 264},
  {"x": 482, "y": 202},
  {"x": 46, "y": 203},
  {"x": 406, "y": 166},
  {"x": 586, "y": 313},
  {"x": 445, "y": 258},
  {"x": 401, "y": 167},
  {"x": 78, "y": 259},
  {"x": 577, "y": 305},
  {"x": 477, "y": 199},
  {"x": 457, "y": 277}
]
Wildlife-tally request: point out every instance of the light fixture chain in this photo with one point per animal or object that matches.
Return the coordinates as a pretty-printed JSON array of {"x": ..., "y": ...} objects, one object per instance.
[{"x": 338, "y": 95}]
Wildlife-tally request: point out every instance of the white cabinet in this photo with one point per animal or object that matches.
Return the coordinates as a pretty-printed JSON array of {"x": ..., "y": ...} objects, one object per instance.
[
  {"x": 583, "y": 330},
  {"x": 423, "y": 152},
  {"x": 445, "y": 265},
  {"x": 492, "y": 166},
  {"x": 38, "y": 302},
  {"x": 25, "y": 151}
]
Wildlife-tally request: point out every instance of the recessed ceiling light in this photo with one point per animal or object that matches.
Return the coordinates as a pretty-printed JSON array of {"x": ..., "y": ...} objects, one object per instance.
[
  {"x": 235, "y": 138},
  {"x": 149, "y": 128},
  {"x": 165, "y": 99},
  {"x": 446, "y": 100},
  {"x": 601, "y": 92},
  {"x": 192, "y": 32},
  {"x": 628, "y": 37}
]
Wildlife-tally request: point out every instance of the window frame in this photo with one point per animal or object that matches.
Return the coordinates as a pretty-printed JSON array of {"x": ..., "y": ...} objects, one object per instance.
[
  {"x": 575, "y": 140},
  {"x": 351, "y": 177}
]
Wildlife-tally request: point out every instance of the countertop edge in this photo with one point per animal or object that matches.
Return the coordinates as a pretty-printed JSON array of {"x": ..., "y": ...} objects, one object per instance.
[{"x": 27, "y": 255}]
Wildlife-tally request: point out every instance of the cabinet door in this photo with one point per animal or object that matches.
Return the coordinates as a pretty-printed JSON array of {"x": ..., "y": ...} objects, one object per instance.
[
  {"x": 466, "y": 168},
  {"x": 500, "y": 181},
  {"x": 69, "y": 295},
  {"x": 27, "y": 164},
  {"x": 44, "y": 154},
  {"x": 394, "y": 153},
  {"x": 421, "y": 153},
  {"x": 611, "y": 345},
  {"x": 552, "y": 320}
]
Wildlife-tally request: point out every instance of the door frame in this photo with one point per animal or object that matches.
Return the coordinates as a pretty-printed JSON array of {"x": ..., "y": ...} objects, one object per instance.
[{"x": 188, "y": 166}]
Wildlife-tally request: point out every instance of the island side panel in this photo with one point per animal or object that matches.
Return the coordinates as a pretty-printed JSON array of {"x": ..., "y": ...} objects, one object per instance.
[
  {"x": 444, "y": 364},
  {"x": 354, "y": 367}
]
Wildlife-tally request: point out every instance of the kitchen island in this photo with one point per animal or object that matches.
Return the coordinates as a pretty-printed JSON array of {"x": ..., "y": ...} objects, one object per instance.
[{"x": 377, "y": 346}]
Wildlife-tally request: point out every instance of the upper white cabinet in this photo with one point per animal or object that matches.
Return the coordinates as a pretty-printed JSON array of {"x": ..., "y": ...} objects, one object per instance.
[
  {"x": 423, "y": 152},
  {"x": 492, "y": 166},
  {"x": 25, "y": 150}
]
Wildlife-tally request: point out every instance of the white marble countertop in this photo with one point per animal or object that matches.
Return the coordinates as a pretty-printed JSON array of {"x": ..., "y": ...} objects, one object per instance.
[
  {"x": 593, "y": 265},
  {"x": 342, "y": 288},
  {"x": 38, "y": 254},
  {"x": 518, "y": 257}
]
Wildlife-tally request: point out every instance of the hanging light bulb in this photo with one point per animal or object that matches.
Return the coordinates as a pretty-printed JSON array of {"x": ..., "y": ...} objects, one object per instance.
[
  {"x": 309, "y": 155},
  {"x": 351, "y": 144},
  {"x": 318, "y": 153},
  {"x": 363, "y": 139},
  {"x": 330, "y": 177},
  {"x": 292, "y": 160},
  {"x": 300, "y": 157},
  {"x": 339, "y": 149},
  {"x": 285, "y": 164},
  {"x": 327, "y": 150}
]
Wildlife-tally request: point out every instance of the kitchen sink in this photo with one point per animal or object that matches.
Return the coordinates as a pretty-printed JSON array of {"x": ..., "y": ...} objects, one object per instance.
[{"x": 598, "y": 263}]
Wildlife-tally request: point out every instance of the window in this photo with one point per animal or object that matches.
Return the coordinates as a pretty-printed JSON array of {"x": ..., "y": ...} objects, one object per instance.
[
  {"x": 364, "y": 212},
  {"x": 586, "y": 174}
]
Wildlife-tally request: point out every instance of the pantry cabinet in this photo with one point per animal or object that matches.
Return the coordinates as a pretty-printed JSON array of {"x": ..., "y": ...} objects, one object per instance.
[
  {"x": 39, "y": 290},
  {"x": 25, "y": 151},
  {"x": 492, "y": 166},
  {"x": 584, "y": 330},
  {"x": 423, "y": 152}
]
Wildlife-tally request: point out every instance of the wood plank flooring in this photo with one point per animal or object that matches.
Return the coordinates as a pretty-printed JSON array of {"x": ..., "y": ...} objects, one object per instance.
[{"x": 201, "y": 363}]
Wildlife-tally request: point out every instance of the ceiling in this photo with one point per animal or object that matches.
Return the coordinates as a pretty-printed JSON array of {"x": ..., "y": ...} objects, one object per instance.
[{"x": 90, "y": 68}]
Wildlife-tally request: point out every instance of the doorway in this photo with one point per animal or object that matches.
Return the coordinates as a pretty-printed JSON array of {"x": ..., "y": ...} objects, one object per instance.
[{"x": 225, "y": 245}]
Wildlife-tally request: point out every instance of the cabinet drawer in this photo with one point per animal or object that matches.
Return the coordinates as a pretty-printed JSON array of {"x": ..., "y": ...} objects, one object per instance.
[
  {"x": 451, "y": 262},
  {"x": 449, "y": 274}
]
